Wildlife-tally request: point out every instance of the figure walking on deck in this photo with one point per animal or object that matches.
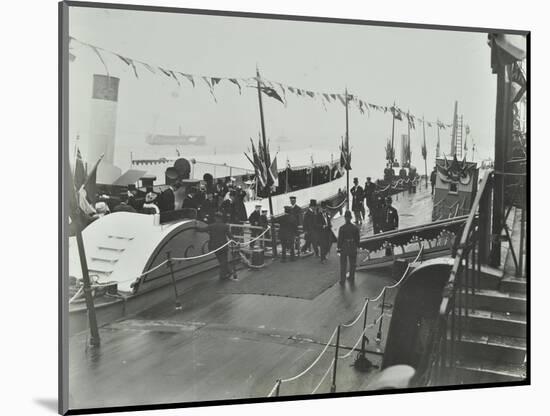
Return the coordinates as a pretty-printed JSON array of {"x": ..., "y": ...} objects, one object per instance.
[
  {"x": 324, "y": 229},
  {"x": 433, "y": 177},
  {"x": 357, "y": 201},
  {"x": 220, "y": 234},
  {"x": 309, "y": 229},
  {"x": 391, "y": 221},
  {"x": 348, "y": 242},
  {"x": 287, "y": 233}
]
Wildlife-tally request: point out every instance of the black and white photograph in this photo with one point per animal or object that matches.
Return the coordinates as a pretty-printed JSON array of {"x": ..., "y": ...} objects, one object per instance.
[{"x": 258, "y": 208}]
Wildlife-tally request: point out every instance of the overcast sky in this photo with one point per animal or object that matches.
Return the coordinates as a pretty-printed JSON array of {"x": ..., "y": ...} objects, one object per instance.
[{"x": 421, "y": 70}]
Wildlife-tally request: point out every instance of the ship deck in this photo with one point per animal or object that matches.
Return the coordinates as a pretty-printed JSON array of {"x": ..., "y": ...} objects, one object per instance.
[{"x": 234, "y": 339}]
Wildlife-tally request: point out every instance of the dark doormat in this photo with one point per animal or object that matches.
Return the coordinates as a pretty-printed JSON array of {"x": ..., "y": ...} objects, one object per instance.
[{"x": 305, "y": 278}]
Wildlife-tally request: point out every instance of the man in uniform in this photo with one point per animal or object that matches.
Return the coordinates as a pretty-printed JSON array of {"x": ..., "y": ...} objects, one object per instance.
[
  {"x": 391, "y": 221},
  {"x": 124, "y": 206},
  {"x": 348, "y": 242},
  {"x": 219, "y": 234},
  {"x": 264, "y": 223},
  {"x": 357, "y": 201},
  {"x": 254, "y": 220},
  {"x": 208, "y": 208},
  {"x": 369, "y": 189},
  {"x": 287, "y": 233},
  {"x": 309, "y": 228},
  {"x": 377, "y": 214},
  {"x": 324, "y": 228}
]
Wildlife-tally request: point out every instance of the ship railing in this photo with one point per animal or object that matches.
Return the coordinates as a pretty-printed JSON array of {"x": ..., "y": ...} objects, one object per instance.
[
  {"x": 247, "y": 234},
  {"x": 470, "y": 251},
  {"x": 378, "y": 307}
]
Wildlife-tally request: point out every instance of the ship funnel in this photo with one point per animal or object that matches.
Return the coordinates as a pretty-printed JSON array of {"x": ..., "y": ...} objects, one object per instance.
[{"x": 103, "y": 117}]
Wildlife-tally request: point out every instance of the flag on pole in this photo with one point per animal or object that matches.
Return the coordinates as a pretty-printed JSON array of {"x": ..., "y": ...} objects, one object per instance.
[
  {"x": 345, "y": 155},
  {"x": 270, "y": 92},
  {"x": 90, "y": 184},
  {"x": 79, "y": 171},
  {"x": 396, "y": 113}
]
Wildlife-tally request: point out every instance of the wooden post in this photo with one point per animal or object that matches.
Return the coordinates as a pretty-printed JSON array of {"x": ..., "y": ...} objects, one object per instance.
[
  {"x": 333, "y": 386},
  {"x": 87, "y": 289},
  {"x": 273, "y": 237}
]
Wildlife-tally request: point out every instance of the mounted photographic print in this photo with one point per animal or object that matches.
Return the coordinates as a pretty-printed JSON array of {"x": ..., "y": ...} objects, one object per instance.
[{"x": 260, "y": 208}]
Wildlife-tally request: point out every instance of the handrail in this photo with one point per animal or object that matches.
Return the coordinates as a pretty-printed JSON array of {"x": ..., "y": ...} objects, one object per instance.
[{"x": 463, "y": 240}]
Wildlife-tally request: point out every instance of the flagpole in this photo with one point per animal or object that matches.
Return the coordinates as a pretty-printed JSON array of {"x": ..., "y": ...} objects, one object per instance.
[
  {"x": 347, "y": 152},
  {"x": 86, "y": 285},
  {"x": 438, "y": 148},
  {"x": 273, "y": 238},
  {"x": 426, "y": 150}
]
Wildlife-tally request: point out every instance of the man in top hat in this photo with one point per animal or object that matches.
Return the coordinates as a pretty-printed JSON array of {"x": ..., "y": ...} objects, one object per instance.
[
  {"x": 324, "y": 228},
  {"x": 228, "y": 208},
  {"x": 357, "y": 201},
  {"x": 348, "y": 243},
  {"x": 288, "y": 229},
  {"x": 133, "y": 200},
  {"x": 309, "y": 228},
  {"x": 254, "y": 220},
  {"x": 369, "y": 190},
  {"x": 219, "y": 235},
  {"x": 296, "y": 212},
  {"x": 167, "y": 199}
]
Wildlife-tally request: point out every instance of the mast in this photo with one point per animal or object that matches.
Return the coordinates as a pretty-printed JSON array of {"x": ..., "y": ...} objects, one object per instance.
[
  {"x": 266, "y": 159},
  {"x": 454, "y": 132},
  {"x": 408, "y": 147},
  {"x": 347, "y": 150},
  {"x": 438, "y": 147}
]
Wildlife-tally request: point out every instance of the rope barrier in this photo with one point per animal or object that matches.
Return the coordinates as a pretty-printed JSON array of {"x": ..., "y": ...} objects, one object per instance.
[
  {"x": 352, "y": 350},
  {"x": 324, "y": 377},
  {"x": 277, "y": 384},
  {"x": 358, "y": 316},
  {"x": 296, "y": 377},
  {"x": 340, "y": 205}
]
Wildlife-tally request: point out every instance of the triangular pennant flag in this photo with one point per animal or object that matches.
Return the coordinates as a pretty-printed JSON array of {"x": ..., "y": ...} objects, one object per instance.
[
  {"x": 129, "y": 62},
  {"x": 175, "y": 77},
  {"x": 291, "y": 90},
  {"x": 100, "y": 58},
  {"x": 342, "y": 99},
  {"x": 333, "y": 96},
  {"x": 234, "y": 81},
  {"x": 215, "y": 81},
  {"x": 79, "y": 171},
  {"x": 270, "y": 92},
  {"x": 189, "y": 77},
  {"x": 210, "y": 87},
  {"x": 327, "y": 97},
  {"x": 148, "y": 67},
  {"x": 310, "y": 93},
  {"x": 281, "y": 86}
]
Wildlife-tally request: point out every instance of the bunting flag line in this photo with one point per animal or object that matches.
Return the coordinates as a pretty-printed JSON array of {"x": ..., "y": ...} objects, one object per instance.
[{"x": 517, "y": 76}]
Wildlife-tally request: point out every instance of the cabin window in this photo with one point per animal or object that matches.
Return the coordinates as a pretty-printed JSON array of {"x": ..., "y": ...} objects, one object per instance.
[{"x": 453, "y": 188}]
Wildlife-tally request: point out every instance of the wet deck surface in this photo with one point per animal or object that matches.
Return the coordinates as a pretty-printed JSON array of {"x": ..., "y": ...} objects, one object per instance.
[{"x": 223, "y": 345}]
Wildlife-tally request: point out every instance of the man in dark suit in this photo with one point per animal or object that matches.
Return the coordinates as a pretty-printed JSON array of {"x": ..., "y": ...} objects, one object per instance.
[
  {"x": 369, "y": 190},
  {"x": 123, "y": 206},
  {"x": 296, "y": 212},
  {"x": 287, "y": 232},
  {"x": 433, "y": 178},
  {"x": 219, "y": 234},
  {"x": 391, "y": 221},
  {"x": 167, "y": 199},
  {"x": 324, "y": 228},
  {"x": 357, "y": 201},
  {"x": 208, "y": 208},
  {"x": 309, "y": 228},
  {"x": 348, "y": 243}
]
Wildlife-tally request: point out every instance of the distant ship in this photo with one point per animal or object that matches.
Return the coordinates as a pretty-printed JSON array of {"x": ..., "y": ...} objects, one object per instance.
[{"x": 179, "y": 139}]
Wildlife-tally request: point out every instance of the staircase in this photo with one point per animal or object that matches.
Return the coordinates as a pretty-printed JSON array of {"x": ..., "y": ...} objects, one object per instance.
[{"x": 493, "y": 346}]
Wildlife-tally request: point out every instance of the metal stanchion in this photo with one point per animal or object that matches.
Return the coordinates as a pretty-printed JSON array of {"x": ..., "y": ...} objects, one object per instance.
[
  {"x": 379, "y": 334},
  {"x": 277, "y": 390},
  {"x": 362, "y": 363},
  {"x": 333, "y": 386}
]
